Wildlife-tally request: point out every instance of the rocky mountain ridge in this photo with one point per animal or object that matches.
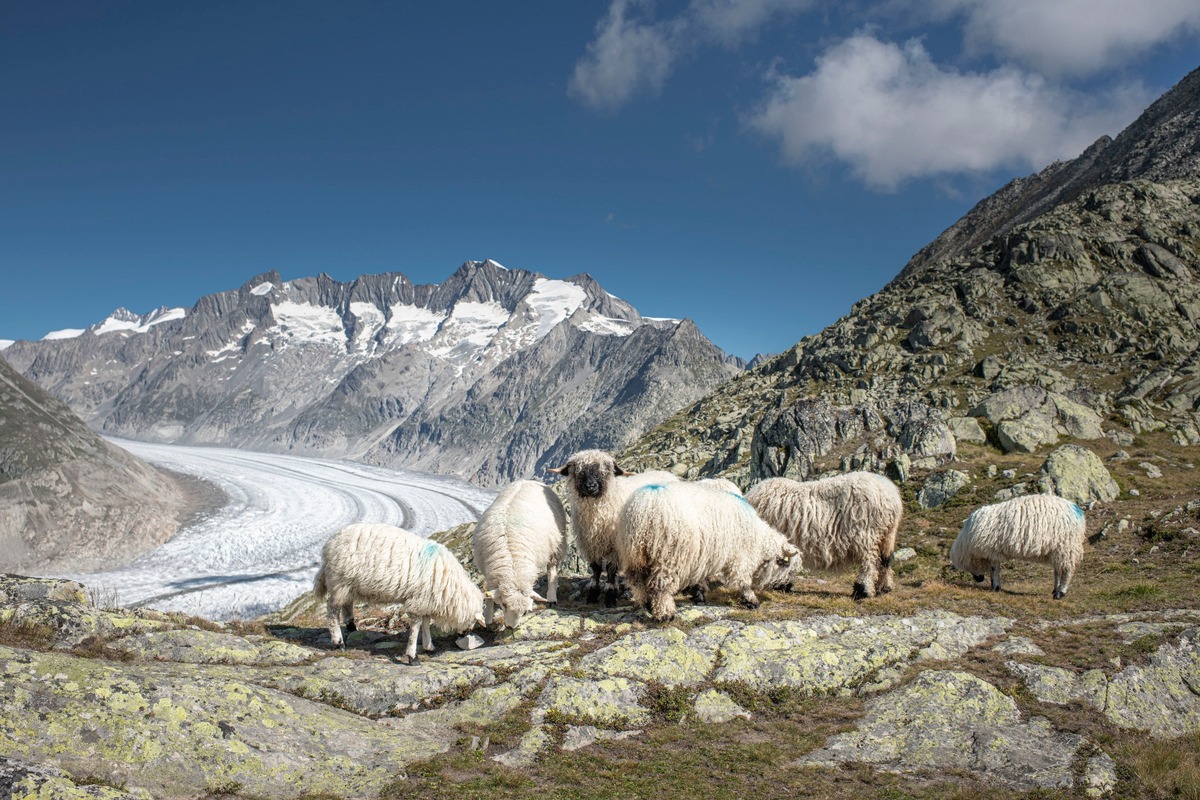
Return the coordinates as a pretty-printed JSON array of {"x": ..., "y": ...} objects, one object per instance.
[
  {"x": 490, "y": 375},
  {"x": 1082, "y": 321},
  {"x": 68, "y": 499}
]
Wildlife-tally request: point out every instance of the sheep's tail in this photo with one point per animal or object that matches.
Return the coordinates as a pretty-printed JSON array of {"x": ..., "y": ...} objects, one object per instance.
[{"x": 319, "y": 587}]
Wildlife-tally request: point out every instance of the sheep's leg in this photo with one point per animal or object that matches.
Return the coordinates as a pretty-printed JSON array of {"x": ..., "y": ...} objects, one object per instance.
[
  {"x": 348, "y": 615},
  {"x": 334, "y": 615},
  {"x": 661, "y": 589},
  {"x": 887, "y": 579},
  {"x": 426, "y": 634},
  {"x": 1062, "y": 579},
  {"x": 593, "y": 594},
  {"x": 698, "y": 591},
  {"x": 611, "y": 592},
  {"x": 552, "y": 584},
  {"x": 749, "y": 599},
  {"x": 414, "y": 633},
  {"x": 489, "y": 609},
  {"x": 995, "y": 577},
  {"x": 868, "y": 574}
]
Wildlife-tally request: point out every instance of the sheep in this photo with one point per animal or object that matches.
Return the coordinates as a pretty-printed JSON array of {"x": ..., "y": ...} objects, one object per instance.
[
  {"x": 677, "y": 534},
  {"x": 385, "y": 564},
  {"x": 598, "y": 488},
  {"x": 522, "y": 534},
  {"x": 1037, "y": 527},
  {"x": 837, "y": 522}
]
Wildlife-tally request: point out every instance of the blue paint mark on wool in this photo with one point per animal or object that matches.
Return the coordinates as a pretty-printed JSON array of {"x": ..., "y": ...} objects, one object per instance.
[
  {"x": 1078, "y": 511},
  {"x": 429, "y": 551},
  {"x": 652, "y": 487}
]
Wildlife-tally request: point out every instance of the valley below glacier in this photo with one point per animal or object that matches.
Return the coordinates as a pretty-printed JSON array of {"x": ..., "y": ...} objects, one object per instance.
[{"x": 262, "y": 548}]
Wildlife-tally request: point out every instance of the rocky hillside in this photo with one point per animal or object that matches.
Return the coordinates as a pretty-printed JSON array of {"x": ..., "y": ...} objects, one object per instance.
[
  {"x": 1079, "y": 323},
  {"x": 68, "y": 499},
  {"x": 490, "y": 375}
]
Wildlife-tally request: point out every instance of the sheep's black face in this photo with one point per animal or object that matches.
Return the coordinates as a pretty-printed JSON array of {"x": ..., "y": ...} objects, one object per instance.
[{"x": 591, "y": 480}]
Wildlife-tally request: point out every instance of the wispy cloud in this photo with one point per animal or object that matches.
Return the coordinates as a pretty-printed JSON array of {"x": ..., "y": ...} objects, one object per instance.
[
  {"x": 1071, "y": 37},
  {"x": 892, "y": 114},
  {"x": 633, "y": 54}
]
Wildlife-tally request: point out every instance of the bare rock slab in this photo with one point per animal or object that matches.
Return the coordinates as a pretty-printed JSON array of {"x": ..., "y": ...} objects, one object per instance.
[{"x": 953, "y": 720}]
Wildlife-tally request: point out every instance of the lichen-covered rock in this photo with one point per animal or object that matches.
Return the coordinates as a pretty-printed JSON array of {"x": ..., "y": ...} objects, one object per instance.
[
  {"x": 374, "y": 688},
  {"x": 24, "y": 781},
  {"x": 130, "y": 723},
  {"x": 1018, "y": 646},
  {"x": 533, "y": 743},
  {"x": 607, "y": 702},
  {"x": 209, "y": 647},
  {"x": 70, "y": 623},
  {"x": 1061, "y": 686},
  {"x": 1162, "y": 697},
  {"x": 940, "y": 487},
  {"x": 1078, "y": 474},
  {"x": 551, "y": 623},
  {"x": 665, "y": 655},
  {"x": 513, "y": 654},
  {"x": 714, "y": 706},
  {"x": 826, "y": 654},
  {"x": 953, "y": 720},
  {"x": 580, "y": 736},
  {"x": 1026, "y": 433},
  {"x": 15, "y": 589},
  {"x": 967, "y": 429}
]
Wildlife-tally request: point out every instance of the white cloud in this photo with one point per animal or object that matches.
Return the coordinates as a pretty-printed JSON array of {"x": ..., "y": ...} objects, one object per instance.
[
  {"x": 1058, "y": 37},
  {"x": 892, "y": 114},
  {"x": 631, "y": 56},
  {"x": 626, "y": 56}
]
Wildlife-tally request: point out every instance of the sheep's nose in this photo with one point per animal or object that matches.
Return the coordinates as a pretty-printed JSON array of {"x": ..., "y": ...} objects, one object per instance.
[{"x": 591, "y": 488}]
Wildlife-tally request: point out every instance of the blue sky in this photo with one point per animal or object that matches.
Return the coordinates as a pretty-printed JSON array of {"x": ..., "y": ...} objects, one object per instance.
[{"x": 757, "y": 166}]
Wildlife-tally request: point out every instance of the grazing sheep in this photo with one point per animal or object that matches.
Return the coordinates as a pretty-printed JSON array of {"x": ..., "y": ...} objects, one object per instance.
[
  {"x": 385, "y": 564},
  {"x": 522, "y": 534},
  {"x": 845, "y": 520},
  {"x": 598, "y": 488},
  {"x": 1037, "y": 527},
  {"x": 677, "y": 534}
]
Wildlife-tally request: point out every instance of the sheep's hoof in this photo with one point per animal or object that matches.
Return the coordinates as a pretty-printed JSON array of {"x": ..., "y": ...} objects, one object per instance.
[
  {"x": 787, "y": 587},
  {"x": 996, "y": 588},
  {"x": 551, "y": 603},
  {"x": 978, "y": 578},
  {"x": 610, "y": 598},
  {"x": 883, "y": 590},
  {"x": 412, "y": 661},
  {"x": 351, "y": 627},
  {"x": 750, "y": 603},
  {"x": 593, "y": 595},
  {"x": 859, "y": 593},
  {"x": 698, "y": 594},
  {"x": 1059, "y": 595}
]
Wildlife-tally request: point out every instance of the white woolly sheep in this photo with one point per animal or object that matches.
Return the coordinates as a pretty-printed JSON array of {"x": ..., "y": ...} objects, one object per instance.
[
  {"x": 836, "y": 522},
  {"x": 598, "y": 488},
  {"x": 521, "y": 535},
  {"x": 1037, "y": 527},
  {"x": 677, "y": 534},
  {"x": 385, "y": 564}
]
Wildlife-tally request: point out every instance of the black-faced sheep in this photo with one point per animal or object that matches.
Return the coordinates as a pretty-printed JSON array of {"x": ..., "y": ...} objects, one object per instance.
[
  {"x": 836, "y": 522},
  {"x": 598, "y": 488},
  {"x": 521, "y": 535},
  {"x": 678, "y": 534},
  {"x": 384, "y": 564},
  {"x": 1037, "y": 527}
]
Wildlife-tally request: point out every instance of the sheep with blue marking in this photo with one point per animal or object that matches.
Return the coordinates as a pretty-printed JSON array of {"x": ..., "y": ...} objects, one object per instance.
[
  {"x": 677, "y": 534},
  {"x": 378, "y": 563},
  {"x": 846, "y": 520},
  {"x": 598, "y": 488},
  {"x": 1043, "y": 528},
  {"x": 522, "y": 534}
]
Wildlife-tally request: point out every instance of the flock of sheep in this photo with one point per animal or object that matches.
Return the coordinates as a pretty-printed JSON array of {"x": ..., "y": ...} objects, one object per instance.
[{"x": 666, "y": 537}]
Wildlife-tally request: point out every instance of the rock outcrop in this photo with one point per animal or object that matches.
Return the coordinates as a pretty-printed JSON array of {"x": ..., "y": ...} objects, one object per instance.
[{"x": 68, "y": 499}]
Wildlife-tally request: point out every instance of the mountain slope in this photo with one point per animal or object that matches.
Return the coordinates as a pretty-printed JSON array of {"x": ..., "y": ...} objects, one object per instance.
[
  {"x": 1087, "y": 312},
  {"x": 68, "y": 499},
  {"x": 480, "y": 376}
]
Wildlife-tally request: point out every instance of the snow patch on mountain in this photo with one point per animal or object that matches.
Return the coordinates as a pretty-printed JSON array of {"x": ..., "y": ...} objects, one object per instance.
[
  {"x": 6, "y": 342},
  {"x": 262, "y": 288},
  {"x": 124, "y": 320},
  {"x": 65, "y": 333},
  {"x": 605, "y": 326},
  {"x": 228, "y": 349},
  {"x": 305, "y": 323},
  {"x": 553, "y": 301},
  {"x": 469, "y": 328},
  {"x": 409, "y": 324}
]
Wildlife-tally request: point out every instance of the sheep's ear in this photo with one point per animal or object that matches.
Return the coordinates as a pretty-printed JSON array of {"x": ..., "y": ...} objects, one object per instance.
[
  {"x": 538, "y": 597},
  {"x": 564, "y": 470},
  {"x": 480, "y": 621},
  {"x": 618, "y": 471}
]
